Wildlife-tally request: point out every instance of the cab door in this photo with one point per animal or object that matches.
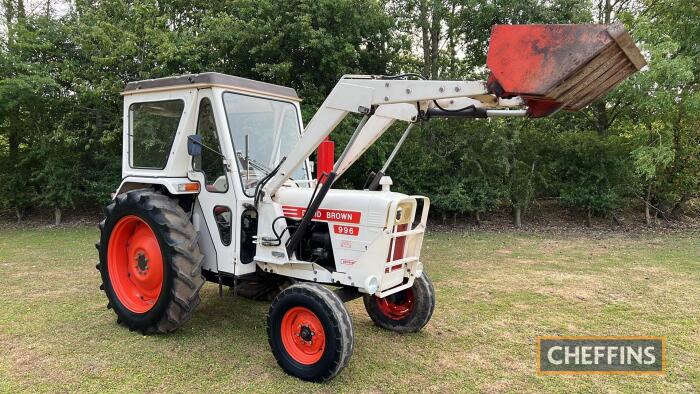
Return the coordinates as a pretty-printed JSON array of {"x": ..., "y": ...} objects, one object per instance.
[{"x": 215, "y": 207}]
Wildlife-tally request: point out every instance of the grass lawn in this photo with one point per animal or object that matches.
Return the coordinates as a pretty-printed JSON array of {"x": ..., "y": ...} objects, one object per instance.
[{"x": 495, "y": 294}]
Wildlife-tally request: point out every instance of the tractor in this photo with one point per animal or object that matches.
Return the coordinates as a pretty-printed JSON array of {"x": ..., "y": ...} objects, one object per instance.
[{"x": 217, "y": 186}]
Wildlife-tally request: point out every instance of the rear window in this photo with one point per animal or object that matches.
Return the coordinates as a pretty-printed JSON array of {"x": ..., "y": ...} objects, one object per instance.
[{"x": 153, "y": 129}]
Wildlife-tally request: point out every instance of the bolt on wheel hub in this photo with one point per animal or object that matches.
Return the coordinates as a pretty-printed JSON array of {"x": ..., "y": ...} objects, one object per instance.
[
  {"x": 141, "y": 262},
  {"x": 306, "y": 334}
]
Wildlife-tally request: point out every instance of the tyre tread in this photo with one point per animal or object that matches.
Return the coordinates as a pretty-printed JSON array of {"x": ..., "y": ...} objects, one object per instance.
[
  {"x": 185, "y": 257},
  {"x": 333, "y": 306}
]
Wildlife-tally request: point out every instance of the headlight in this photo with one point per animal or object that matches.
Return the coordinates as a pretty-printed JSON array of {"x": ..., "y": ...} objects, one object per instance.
[
  {"x": 403, "y": 214},
  {"x": 372, "y": 284}
]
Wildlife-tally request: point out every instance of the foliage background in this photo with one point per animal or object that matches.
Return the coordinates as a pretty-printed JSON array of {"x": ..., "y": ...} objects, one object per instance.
[{"x": 62, "y": 66}]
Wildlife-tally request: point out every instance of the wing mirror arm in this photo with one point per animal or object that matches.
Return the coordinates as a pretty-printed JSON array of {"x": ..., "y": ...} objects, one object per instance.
[{"x": 195, "y": 145}]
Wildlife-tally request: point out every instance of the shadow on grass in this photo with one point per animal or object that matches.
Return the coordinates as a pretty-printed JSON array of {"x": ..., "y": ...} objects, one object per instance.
[{"x": 231, "y": 315}]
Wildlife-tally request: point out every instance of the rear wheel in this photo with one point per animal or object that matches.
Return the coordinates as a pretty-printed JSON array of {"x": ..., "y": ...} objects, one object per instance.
[
  {"x": 408, "y": 310},
  {"x": 310, "y": 332},
  {"x": 149, "y": 262}
]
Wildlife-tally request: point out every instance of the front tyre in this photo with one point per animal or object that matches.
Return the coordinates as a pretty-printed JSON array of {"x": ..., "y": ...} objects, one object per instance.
[
  {"x": 310, "y": 332},
  {"x": 407, "y": 311},
  {"x": 150, "y": 262}
]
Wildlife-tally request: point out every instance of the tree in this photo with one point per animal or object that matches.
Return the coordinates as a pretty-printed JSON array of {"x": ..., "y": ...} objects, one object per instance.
[
  {"x": 26, "y": 92},
  {"x": 60, "y": 109},
  {"x": 595, "y": 175}
]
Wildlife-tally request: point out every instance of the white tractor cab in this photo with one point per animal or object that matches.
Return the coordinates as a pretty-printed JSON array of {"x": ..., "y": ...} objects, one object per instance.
[{"x": 217, "y": 186}]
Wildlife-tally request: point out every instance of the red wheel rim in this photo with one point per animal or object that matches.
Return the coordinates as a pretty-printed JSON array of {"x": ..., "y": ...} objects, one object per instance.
[
  {"x": 303, "y": 336},
  {"x": 396, "y": 306},
  {"x": 135, "y": 264}
]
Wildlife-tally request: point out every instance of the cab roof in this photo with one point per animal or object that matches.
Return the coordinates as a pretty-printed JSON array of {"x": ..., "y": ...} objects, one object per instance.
[{"x": 209, "y": 79}]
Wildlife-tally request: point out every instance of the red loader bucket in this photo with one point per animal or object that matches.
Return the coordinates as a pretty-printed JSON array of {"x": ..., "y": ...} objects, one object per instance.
[{"x": 556, "y": 67}]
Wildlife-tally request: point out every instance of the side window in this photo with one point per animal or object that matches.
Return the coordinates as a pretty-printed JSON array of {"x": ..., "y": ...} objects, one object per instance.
[
  {"x": 153, "y": 129},
  {"x": 210, "y": 163}
]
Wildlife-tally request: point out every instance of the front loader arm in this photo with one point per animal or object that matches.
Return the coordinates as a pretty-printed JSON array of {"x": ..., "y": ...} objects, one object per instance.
[
  {"x": 543, "y": 67},
  {"x": 385, "y": 101}
]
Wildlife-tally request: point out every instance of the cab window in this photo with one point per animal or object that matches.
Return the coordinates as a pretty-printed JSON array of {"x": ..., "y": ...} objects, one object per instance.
[
  {"x": 153, "y": 126},
  {"x": 210, "y": 162},
  {"x": 263, "y": 131}
]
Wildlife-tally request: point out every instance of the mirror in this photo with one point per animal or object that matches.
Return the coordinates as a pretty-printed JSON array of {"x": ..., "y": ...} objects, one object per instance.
[{"x": 194, "y": 145}]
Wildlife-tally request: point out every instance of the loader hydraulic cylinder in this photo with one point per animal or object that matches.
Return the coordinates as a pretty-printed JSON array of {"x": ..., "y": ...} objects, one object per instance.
[
  {"x": 316, "y": 201},
  {"x": 466, "y": 113},
  {"x": 374, "y": 185},
  {"x": 303, "y": 227}
]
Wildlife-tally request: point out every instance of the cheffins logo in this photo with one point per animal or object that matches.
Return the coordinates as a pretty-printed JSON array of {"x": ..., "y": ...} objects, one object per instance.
[{"x": 601, "y": 355}]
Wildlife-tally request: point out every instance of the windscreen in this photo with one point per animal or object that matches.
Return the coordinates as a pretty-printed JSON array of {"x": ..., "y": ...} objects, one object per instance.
[{"x": 263, "y": 132}]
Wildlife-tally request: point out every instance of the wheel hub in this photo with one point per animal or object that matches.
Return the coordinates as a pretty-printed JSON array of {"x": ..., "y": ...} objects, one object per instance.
[
  {"x": 396, "y": 306},
  {"x": 303, "y": 335},
  {"x": 306, "y": 334},
  {"x": 141, "y": 262},
  {"x": 135, "y": 264}
]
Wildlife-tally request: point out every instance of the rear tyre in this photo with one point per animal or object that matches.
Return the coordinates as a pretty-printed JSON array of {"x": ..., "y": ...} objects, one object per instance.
[
  {"x": 310, "y": 332},
  {"x": 150, "y": 262},
  {"x": 406, "y": 311}
]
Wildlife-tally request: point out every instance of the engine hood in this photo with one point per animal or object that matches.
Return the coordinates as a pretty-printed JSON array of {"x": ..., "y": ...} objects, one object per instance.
[{"x": 359, "y": 207}]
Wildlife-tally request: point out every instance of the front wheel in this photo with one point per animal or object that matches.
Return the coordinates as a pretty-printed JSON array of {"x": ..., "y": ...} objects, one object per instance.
[
  {"x": 310, "y": 332},
  {"x": 408, "y": 310}
]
